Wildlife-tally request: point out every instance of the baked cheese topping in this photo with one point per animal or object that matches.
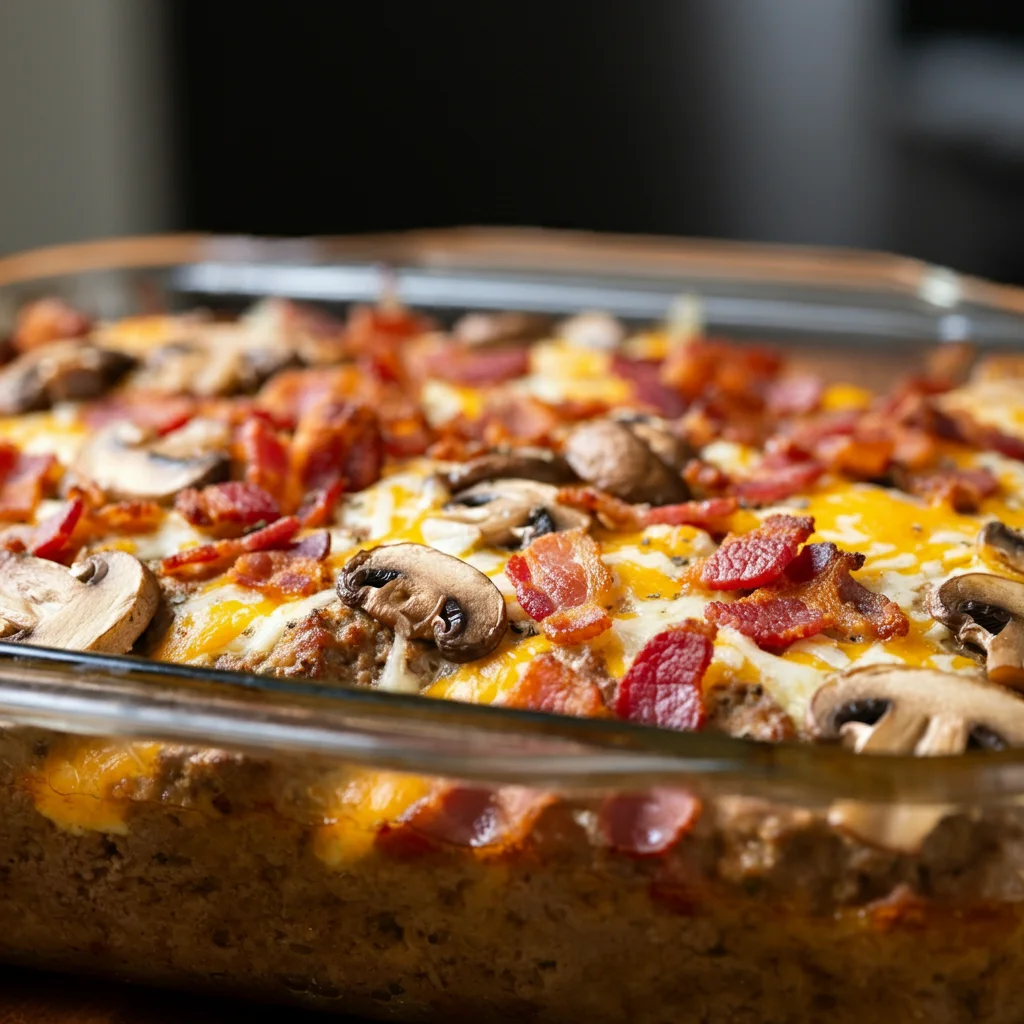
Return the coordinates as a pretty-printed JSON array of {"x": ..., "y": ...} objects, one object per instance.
[{"x": 912, "y": 538}]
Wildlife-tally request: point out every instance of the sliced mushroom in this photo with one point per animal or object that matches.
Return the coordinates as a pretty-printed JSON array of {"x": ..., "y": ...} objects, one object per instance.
[
  {"x": 986, "y": 611},
  {"x": 500, "y": 328},
  {"x": 594, "y": 330},
  {"x": 101, "y": 604},
  {"x": 657, "y": 435},
  {"x": 899, "y": 709},
  {"x": 513, "y": 511},
  {"x": 522, "y": 463},
  {"x": 124, "y": 464},
  {"x": 613, "y": 456},
  {"x": 220, "y": 359},
  {"x": 424, "y": 594},
  {"x": 60, "y": 372},
  {"x": 1001, "y": 546}
]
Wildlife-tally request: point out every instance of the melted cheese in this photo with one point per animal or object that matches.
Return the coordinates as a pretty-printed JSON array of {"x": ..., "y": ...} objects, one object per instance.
[{"x": 908, "y": 545}]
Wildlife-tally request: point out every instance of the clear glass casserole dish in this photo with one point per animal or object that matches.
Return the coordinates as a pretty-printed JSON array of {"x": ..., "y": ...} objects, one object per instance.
[{"x": 186, "y": 826}]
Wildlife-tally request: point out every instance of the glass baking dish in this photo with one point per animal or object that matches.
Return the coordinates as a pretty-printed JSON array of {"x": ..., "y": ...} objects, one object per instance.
[{"x": 215, "y": 830}]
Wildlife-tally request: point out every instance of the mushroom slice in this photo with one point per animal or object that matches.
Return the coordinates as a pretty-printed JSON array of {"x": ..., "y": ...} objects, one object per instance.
[
  {"x": 61, "y": 372},
  {"x": 124, "y": 465},
  {"x": 513, "y": 511},
  {"x": 427, "y": 595},
  {"x": 987, "y": 611},
  {"x": 899, "y": 709},
  {"x": 657, "y": 435},
  {"x": 521, "y": 463},
  {"x": 500, "y": 328},
  {"x": 1001, "y": 546},
  {"x": 101, "y": 604},
  {"x": 612, "y": 455},
  {"x": 593, "y": 330}
]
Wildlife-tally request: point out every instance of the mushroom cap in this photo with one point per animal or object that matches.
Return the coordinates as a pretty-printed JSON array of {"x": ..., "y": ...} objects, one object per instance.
[
  {"x": 425, "y": 594},
  {"x": 60, "y": 372},
  {"x": 594, "y": 330},
  {"x": 522, "y": 463},
  {"x": 506, "y": 511},
  {"x": 657, "y": 435},
  {"x": 101, "y": 604},
  {"x": 900, "y": 709},
  {"x": 610, "y": 455},
  {"x": 118, "y": 461},
  {"x": 999, "y": 545},
  {"x": 970, "y": 604}
]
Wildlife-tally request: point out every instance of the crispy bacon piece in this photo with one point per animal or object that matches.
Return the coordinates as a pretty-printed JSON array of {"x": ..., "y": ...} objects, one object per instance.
[
  {"x": 772, "y": 622},
  {"x": 280, "y": 574},
  {"x": 121, "y": 516},
  {"x": 707, "y": 368},
  {"x": 648, "y": 387},
  {"x": 470, "y": 367},
  {"x": 48, "y": 320},
  {"x": 315, "y": 545},
  {"x": 776, "y": 482},
  {"x": 549, "y": 685},
  {"x": 794, "y": 396},
  {"x": 288, "y": 395},
  {"x": 705, "y": 480},
  {"x": 383, "y": 325},
  {"x": 265, "y": 455},
  {"x": 647, "y": 824},
  {"x": 663, "y": 685},
  {"x": 757, "y": 557},
  {"x": 206, "y": 560},
  {"x": 816, "y": 590},
  {"x": 963, "y": 489},
  {"x": 562, "y": 583},
  {"x": 517, "y": 419},
  {"x": 493, "y": 821},
  {"x": 227, "y": 509},
  {"x": 706, "y": 514},
  {"x": 24, "y": 483},
  {"x": 317, "y": 508},
  {"x": 51, "y": 537},
  {"x": 618, "y": 514},
  {"x": 152, "y": 412},
  {"x": 865, "y": 455},
  {"x": 338, "y": 440}
]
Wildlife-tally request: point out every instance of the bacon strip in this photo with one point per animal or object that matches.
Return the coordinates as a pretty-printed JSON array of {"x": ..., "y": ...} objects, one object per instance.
[
  {"x": 551, "y": 686},
  {"x": 227, "y": 509},
  {"x": 775, "y": 483},
  {"x": 206, "y": 560},
  {"x": 47, "y": 320},
  {"x": 963, "y": 489},
  {"x": 562, "y": 583},
  {"x": 816, "y": 593},
  {"x": 265, "y": 455},
  {"x": 647, "y": 824},
  {"x": 26, "y": 479},
  {"x": 490, "y": 820},
  {"x": 470, "y": 367},
  {"x": 663, "y": 685},
  {"x": 280, "y": 574},
  {"x": 757, "y": 557},
  {"x": 338, "y": 440},
  {"x": 50, "y": 538},
  {"x": 772, "y": 622},
  {"x": 648, "y": 387},
  {"x": 615, "y": 513}
]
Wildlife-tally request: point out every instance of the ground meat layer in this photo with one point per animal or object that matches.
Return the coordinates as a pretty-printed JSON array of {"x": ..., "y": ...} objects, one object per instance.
[{"x": 760, "y": 914}]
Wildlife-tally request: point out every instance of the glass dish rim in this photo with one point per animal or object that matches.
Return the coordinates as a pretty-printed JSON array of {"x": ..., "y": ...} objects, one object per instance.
[{"x": 36, "y": 684}]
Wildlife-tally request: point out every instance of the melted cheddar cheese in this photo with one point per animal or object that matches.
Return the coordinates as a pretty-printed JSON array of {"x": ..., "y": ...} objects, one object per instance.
[{"x": 908, "y": 544}]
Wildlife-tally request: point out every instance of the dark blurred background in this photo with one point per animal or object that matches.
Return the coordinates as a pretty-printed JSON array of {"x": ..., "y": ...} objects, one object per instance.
[{"x": 871, "y": 123}]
